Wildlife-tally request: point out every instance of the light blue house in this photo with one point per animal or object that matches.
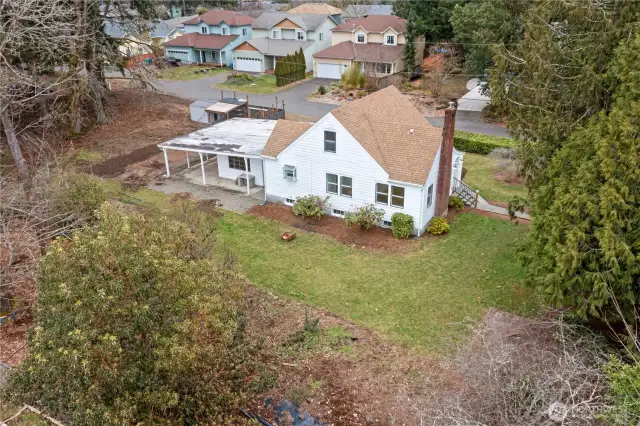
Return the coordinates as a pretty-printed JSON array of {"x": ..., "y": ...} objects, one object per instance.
[{"x": 211, "y": 37}]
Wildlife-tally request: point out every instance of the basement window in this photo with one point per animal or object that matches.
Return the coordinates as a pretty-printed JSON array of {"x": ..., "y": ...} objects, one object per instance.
[
  {"x": 337, "y": 212},
  {"x": 289, "y": 172},
  {"x": 289, "y": 201},
  {"x": 386, "y": 223}
]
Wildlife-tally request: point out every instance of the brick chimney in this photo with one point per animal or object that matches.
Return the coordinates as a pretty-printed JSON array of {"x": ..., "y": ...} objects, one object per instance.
[{"x": 446, "y": 161}]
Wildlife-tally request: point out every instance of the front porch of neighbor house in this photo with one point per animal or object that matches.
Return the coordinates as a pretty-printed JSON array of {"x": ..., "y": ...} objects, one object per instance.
[{"x": 211, "y": 56}]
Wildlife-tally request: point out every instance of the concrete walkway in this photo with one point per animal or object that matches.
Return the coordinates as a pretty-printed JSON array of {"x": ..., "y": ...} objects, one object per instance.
[
  {"x": 484, "y": 205},
  {"x": 294, "y": 98}
]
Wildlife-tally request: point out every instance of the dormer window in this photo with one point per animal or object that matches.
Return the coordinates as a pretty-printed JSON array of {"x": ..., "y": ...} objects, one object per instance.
[
  {"x": 204, "y": 30},
  {"x": 300, "y": 35},
  {"x": 360, "y": 38},
  {"x": 391, "y": 39},
  {"x": 225, "y": 31}
]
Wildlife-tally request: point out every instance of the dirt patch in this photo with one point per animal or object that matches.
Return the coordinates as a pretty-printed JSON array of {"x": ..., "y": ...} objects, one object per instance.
[
  {"x": 138, "y": 119},
  {"x": 508, "y": 178},
  {"x": 13, "y": 339},
  {"x": 115, "y": 166},
  {"x": 375, "y": 239},
  {"x": 453, "y": 213},
  {"x": 361, "y": 381}
]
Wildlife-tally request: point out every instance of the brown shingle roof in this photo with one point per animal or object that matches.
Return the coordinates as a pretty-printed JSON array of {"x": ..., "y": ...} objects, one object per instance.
[
  {"x": 316, "y": 8},
  {"x": 202, "y": 41},
  {"x": 374, "y": 24},
  {"x": 369, "y": 52},
  {"x": 394, "y": 133},
  {"x": 214, "y": 17},
  {"x": 283, "y": 135}
]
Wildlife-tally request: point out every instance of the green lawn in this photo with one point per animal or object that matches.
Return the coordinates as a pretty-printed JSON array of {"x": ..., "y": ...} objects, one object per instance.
[
  {"x": 260, "y": 84},
  {"x": 424, "y": 299},
  {"x": 480, "y": 170},
  {"x": 188, "y": 72}
]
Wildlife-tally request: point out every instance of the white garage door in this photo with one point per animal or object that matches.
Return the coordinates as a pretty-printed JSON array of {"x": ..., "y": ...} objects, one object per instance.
[
  {"x": 330, "y": 70},
  {"x": 183, "y": 55},
  {"x": 249, "y": 64}
]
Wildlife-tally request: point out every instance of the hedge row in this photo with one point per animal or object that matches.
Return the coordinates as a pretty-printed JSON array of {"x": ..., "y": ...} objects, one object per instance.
[{"x": 480, "y": 144}]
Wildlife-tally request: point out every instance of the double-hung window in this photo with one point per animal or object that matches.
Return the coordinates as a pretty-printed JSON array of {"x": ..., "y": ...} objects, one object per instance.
[
  {"x": 320, "y": 36},
  {"x": 430, "y": 195},
  {"x": 397, "y": 196},
  {"x": 329, "y": 141},
  {"x": 244, "y": 31},
  {"x": 382, "y": 193},
  {"x": 346, "y": 189},
  {"x": 204, "y": 30},
  {"x": 300, "y": 35},
  {"x": 360, "y": 38},
  {"x": 225, "y": 31},
  {"x": 386, "y": 193},
  {"x": 391, "y": 39},
  {"x": 332, "y": 183},
  {"x": 238, "y": 163}
]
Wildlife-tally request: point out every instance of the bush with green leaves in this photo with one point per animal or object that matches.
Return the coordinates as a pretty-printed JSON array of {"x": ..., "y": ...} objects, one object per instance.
[
  {"x": 401, "y": 225},
  {"x": 311, "y": 206},
  {"x": 240, "y": 78},
  {"x": 133, "y": 326},
  {"x": 322, "y": 90},
  {"x": 456, "y": 203},
  {"x": 365, "y": 217},
  {"x": 352, "y": 78},
  {"x": 624, "y": 391},
  {"x": 438, "y": 226},
  {"x": 480, "y": 144}
]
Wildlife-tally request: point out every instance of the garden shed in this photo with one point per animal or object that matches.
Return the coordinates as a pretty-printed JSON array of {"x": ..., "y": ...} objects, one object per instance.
[{"x": 198, "y": 110}]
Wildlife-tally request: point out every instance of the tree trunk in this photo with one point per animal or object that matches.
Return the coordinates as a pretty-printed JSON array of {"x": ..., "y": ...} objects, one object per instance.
[
  {"x": 12, "y": 139},
  {"x": 101, "y": 116}
]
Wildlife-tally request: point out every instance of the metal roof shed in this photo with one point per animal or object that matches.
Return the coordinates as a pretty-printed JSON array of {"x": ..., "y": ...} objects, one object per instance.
[
  {"x": 197, "y": 110},
  {"x": 238, "y": 137}
]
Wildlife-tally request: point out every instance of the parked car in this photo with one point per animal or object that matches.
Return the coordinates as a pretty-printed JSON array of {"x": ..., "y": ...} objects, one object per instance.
[{"x": 171, "y": 61}]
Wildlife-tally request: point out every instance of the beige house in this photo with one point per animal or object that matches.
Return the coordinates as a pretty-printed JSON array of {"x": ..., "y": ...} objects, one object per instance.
[
  {"x": 319, "y": 8},
  {"x": 375, "y": 43}
]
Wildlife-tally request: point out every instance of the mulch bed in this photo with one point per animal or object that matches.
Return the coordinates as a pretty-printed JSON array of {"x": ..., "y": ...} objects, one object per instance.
[{"x": 375, "y": 239}]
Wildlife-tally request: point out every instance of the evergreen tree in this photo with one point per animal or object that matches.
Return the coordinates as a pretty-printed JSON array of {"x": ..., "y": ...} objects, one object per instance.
[
  {"x": 584, "y": 248},
  {"x": 479, "y": 25},
  {"x": 428, "y": 18},
  {"x": 278, "y": 72},
  {"x": 303, "y": 64},
  {"x": 551, "y": 82}
]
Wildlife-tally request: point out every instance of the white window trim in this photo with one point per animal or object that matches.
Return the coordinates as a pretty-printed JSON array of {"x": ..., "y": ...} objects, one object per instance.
[
  {"x": 395, "y": 39},
  {"x": 365, "y": 37},
  {"x": 404, "y": 193},
  {"x": 304, "y": 36},
  {"x": 376, "y": 193},
  {"x": 204, "y": 30},
  {"x": 390, "y": 196},
  {"x": 288, "y": 168},
  {"x": 320, "y": 36},
  {"x": 224, "y": 31},
  {"x": 335, "y": 142},
  {"x": 346, "y": 186},
  {"x": 289, "y": 201},
  {"x": 245, "y": 32},
  {"x": 337, "y": 184},
  {"x": 429, "y": 196},
  {"x": 276, "y": 30}
]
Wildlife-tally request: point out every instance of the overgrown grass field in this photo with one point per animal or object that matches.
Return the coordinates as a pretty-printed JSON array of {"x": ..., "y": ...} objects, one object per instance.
[{"x": 188, "y": 72}]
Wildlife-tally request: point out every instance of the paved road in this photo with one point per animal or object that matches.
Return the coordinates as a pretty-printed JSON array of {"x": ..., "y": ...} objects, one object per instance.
[
  {"x": 294, "y": 98},
  {"x": 474, "y": 127}
]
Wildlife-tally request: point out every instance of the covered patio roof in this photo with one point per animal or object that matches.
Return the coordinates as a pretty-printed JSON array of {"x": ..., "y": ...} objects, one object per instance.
[{"x": 242, "y": 137}]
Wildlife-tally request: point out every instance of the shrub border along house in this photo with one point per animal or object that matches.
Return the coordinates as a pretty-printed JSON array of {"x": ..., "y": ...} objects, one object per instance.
[
  {"x": 438, "y": 226},
  {"x": 480, "y": 144},
  {"x": 401, "y": 225}
]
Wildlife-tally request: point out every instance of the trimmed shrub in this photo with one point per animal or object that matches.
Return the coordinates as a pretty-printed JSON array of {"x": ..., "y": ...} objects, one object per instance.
[
  {"x": 438, "y": 226},
  {"x": 480, "y": 144},
  {"x": 624, "y": 388},
  {"x": 310, "y": 206},
  {"x": 401, "y": 225},
  {"x": 365, "y": 217},
  {"x": 456, "y": 203},
  {"x": 322, "y": 90},
  {"x": 240, "y": 77}
]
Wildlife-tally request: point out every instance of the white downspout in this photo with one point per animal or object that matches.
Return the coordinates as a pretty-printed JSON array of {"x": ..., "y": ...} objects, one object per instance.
[
  {"x": 204, "y": 179},
  {"x": 166, "y": 162},
  {"x": 246, "y": 172}
]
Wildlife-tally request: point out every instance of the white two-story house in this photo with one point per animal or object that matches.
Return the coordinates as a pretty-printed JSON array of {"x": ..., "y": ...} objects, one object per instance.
[
  {"x": 376, "y": 150},
  {"x": 276, "y": 35},
  {"x": 211, "y": 37},
  {"x": 375, "y": 43}
]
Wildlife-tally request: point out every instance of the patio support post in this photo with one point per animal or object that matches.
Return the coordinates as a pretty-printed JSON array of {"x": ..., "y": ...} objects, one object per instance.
[
  {"x": 166, "y": 162},
  {"x": 204, "y": 179},
  {"x": 188, "y": 165},
  {"x": 246, "y": 170}
]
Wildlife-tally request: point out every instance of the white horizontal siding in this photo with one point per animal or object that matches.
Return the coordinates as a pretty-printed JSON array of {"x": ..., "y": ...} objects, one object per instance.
[
  {"x": 351, "y": 159},
  {"x": 228, "y": 173},
  {"x": 432, "y": 179}
]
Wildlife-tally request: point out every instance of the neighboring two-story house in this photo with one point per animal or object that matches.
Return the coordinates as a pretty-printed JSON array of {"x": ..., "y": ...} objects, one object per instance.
[
  {"x": 211, "y": 37},
  {"x": 278, "y": 34},
  {"x": 319, "y": 8},
  {"x": 375, "y": 43},
  {"x": 376, "y": 150}
]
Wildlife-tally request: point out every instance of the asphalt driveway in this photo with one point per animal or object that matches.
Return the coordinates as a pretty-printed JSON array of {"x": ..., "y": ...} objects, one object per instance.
[{"x": 294, "y": 98}]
